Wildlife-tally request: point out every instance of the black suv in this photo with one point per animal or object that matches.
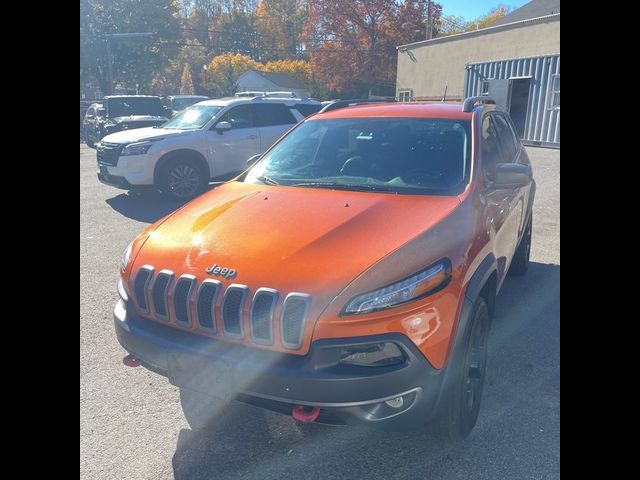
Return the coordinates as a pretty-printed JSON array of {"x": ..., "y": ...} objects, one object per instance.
[{"x": 123, "y": 112}]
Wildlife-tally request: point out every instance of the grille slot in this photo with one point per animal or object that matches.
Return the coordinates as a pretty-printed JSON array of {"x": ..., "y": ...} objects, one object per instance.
[
  {"x": 140, "y": 286},
  {"x": 261, "y": 315},
  {"x": 292, "y": 319},
  {"x": 232, "y": 305},
  {"x": 181, "y": 296},
  {"x": 108, "y": 153},
  {"x": 159, "y": 292},
  {"x": 206, "y": 303}
]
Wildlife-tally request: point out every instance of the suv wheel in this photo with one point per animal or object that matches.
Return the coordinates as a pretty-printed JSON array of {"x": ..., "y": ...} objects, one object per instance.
[
  {"x": 199, "y": 409},
  {"x": 461, "y": 411},
  {"x": 182, "y": 179},
  {"x": 520, "y": 262}
]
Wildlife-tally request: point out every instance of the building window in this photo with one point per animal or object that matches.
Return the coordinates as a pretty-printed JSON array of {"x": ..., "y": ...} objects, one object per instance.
[
  {"x": 554, "y": 94},
  {"x": 404, "y": 95},
  {"x": 485, "y": 87}
]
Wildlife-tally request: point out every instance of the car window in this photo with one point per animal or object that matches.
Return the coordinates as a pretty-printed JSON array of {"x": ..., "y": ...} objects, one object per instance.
[
  {"x": 240, "y": 117},
  {"x": 395, "y": 155},
  {"x": 307, "y": 109},
  {"x": 506, "y": 137},
  {"x": 271, "y": 114},
  {"x": 491, "y": 154},
  {"x": 91, "y": 111}
]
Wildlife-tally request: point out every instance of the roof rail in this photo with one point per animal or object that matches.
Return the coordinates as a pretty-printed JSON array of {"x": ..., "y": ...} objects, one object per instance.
[
  {"x": 268, "y": 94},
  {"x": 470, "y": 103},
  {"x": 350, "y": 103}
]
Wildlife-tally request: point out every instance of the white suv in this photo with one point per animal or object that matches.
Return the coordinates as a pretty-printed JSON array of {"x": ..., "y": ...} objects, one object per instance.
[{"x": 210, "y": 140}]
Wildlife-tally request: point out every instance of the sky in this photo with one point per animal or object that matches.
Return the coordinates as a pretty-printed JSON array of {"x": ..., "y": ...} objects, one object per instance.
[{"x": 470, "y": 9}]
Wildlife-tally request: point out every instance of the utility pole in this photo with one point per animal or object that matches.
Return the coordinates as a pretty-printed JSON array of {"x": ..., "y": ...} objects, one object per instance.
[
  {"x": 108, "y": 38},
  {"x": 429, "y": 22}
]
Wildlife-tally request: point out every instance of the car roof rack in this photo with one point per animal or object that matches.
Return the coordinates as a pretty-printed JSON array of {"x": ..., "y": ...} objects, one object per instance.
[
  {"x": 268, "y": 95},
  {"x": 470, "y": 103},
  {"x": 350, "y": 103}
]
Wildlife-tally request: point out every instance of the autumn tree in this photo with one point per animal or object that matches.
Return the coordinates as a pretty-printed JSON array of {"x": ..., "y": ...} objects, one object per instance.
[
  {"x": 133, "y": 60},
  {"x": 186, "y": 84},
  {"x": 279, "y": 24},
  {"x": 452, "y": 24},
  {"x": 224, "y": 70},
  {"x": 298, "y": 69},
  {"x": 353, "y": 44}
]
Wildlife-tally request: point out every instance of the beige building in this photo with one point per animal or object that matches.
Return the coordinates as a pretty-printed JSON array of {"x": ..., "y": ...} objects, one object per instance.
[{"x": 516, "y": 61}]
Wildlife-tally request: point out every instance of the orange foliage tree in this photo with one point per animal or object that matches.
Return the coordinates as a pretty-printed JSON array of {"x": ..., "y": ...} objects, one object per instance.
[{"x": 224, "y": 70}]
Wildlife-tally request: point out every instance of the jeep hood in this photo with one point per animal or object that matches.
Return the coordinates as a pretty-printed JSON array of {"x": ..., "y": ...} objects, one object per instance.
[{"x": 292, "y": 239}]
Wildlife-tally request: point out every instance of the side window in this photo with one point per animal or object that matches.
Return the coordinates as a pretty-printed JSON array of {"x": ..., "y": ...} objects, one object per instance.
[
  {"x": 91, "y": 112},
  {"x": 272, "y": 114},
  {"x": 491, "y": 154},
  {"x": 507, "y": 140},
  {"x": 240, "y": 117}
]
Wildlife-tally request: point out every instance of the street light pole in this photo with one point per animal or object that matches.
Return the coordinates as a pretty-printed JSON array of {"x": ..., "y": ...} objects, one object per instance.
[{"x": 205, "y": 68}]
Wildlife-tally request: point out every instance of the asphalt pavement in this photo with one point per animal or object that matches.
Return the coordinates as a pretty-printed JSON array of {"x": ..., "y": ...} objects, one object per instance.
[{"x": 131, "y": 423}]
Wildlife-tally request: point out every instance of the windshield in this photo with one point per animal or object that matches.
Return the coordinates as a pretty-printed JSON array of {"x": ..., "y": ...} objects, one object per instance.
[
  {"x": 123, "y": 107},
  {"x": 193, "y": 118},
  {"x": 182, "y": 103},
  {"x": 396, "y": 155}
]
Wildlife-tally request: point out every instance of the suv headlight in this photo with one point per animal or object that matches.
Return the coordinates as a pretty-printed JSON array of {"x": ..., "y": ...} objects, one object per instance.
[
  {"x": 139, "y": 148},
  {"x": 423, "y": 283},
  {"x": 126, "y": 256}
]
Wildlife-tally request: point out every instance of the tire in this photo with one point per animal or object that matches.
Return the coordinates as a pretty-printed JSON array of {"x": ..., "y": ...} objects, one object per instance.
[
  {"x": 520, "y": 262},
  {"x": 199, "y": 409},
  {"x": 90, "y": 144},
  {"x": 461, "y": 409},
  {"x": 182, "y": 179}
]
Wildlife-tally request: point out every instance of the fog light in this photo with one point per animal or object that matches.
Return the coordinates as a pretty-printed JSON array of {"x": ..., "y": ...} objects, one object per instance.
[{"x": 395, "y": 402}]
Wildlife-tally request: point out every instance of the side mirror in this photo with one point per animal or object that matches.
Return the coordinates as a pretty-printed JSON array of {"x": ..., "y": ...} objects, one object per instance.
[
  {"x": 253, "y": 160},
  {"x": 223, "y": 127},
  {"x": 510, "y": 175}
]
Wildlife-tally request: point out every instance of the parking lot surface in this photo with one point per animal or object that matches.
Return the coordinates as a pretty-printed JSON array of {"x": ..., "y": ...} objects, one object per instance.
[{"x": 132, "y": 427}]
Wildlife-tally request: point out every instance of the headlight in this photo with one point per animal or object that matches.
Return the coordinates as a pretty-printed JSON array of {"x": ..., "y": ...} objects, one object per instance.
[
  {"x": 126, "y": 255},
  {"x": 372, "y": 355},
  {"x": 423, "y": 283},
  {"x": 139, "y": 148}
]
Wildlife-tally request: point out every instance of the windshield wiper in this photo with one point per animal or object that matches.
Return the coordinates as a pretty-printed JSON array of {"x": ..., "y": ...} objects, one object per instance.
[
  {"x": 344, "y": 186},
  {"x": 267, "y": 180}
]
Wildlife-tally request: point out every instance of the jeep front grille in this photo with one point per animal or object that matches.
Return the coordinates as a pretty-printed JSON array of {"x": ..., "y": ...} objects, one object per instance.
[
  {"x": 232, "y": 305},
  {"x": 181, "y": 299},
  {"x": 293, "y": 313},
  {"x": 154, "y": 293},
  {"x": 206, "y": 304},
  {"x": 140, "y": 286},
  {"x": 261, "y": 316}
]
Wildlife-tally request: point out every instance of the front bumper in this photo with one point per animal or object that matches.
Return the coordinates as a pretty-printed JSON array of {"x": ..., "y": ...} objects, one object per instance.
[{"x": 277, "y": 381}]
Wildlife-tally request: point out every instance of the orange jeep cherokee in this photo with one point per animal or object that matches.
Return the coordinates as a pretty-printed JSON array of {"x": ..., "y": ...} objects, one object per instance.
[{"x": 348, "y": 276}]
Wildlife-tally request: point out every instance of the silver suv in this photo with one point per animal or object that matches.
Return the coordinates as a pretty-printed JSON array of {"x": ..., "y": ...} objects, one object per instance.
[{"x": 209, "y": 141}]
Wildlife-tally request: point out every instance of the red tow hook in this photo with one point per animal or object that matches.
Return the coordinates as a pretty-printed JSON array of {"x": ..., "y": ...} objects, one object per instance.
[
  {"x": 305, "y": 413},
  {"x": 131, "y": 361}
]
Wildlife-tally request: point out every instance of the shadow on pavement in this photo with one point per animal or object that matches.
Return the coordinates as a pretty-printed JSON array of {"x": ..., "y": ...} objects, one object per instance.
[
  {"x": 143, "y": 207},
  {"x": 520, "y": 404}
]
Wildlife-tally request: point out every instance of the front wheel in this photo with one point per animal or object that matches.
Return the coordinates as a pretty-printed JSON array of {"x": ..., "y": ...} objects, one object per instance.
[
  {"x": 182, "y": 179},
  {"x": 90, "y": 143},
  {"x": 463, "y": 405}
]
